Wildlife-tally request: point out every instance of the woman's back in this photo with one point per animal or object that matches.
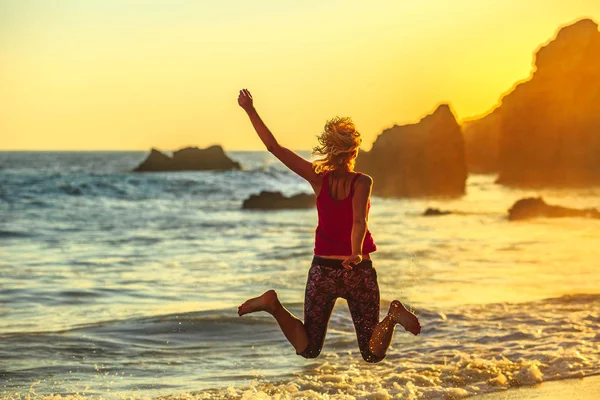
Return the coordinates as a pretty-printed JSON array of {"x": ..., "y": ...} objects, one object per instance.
[
  {"x": 340, "y": 185},
  {"x": 334, "y": 206}
]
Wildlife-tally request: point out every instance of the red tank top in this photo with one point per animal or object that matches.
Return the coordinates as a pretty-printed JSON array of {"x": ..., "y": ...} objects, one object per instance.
[{"x": 333, "y": 236}]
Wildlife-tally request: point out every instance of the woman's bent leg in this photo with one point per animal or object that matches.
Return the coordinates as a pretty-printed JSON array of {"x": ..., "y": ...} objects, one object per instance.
[
  {"x": 384, "y": 331},
  {"x": 292, "y": 327},
  {"x": 320, "y": 296},
  {"x": 363, "y": 300},
  {"x": 319, "y": 299},
  {"x": 382, "y": 337}
]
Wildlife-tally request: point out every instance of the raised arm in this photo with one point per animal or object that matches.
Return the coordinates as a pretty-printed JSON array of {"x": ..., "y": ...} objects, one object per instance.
[
  {"x": 360, "y": 200},
  {"x": 290, "y": 159}
]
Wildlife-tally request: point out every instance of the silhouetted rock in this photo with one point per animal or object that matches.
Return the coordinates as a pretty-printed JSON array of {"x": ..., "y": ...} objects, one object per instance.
[
  {"x": 277, "y": 201},
  {"x": 188, "y": 159},
  {"x": 548, "y": 127},
  {"x": 532, "y": 207},
  {"x": 482, "y": 138},
  {"x": 156, "y": 161},
  {"x": 422, "y": 159},
  {"x": 435, "y": 212}
]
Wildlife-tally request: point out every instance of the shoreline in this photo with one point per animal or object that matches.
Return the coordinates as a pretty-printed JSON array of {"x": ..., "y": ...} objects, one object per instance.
[{"x": 586, "y": 388}]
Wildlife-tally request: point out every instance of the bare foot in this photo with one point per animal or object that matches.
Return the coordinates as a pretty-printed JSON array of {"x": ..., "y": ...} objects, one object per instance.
[
  {"x": 402, "y": 316},
  {"x": 265, "y": 302}
]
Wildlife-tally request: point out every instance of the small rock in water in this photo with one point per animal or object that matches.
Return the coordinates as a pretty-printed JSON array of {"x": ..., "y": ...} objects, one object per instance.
[
  {"x": 434, "y": 212},
  {"x": 277, "y": 201},
  {"x": 532, "y": 207}
]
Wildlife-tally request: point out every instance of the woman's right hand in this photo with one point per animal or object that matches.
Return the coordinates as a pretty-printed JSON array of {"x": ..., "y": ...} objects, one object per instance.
[
  {"x": 245, "y": 100},
  {"x": 352, "y": 261}
]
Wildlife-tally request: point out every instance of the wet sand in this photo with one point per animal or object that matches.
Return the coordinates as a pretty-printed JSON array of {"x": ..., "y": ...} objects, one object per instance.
[{"x": 577, "y": 389}]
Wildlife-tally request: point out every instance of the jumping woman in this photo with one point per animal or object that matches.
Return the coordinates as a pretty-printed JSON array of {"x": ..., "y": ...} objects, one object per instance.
[{"x": 341, "y": 266}]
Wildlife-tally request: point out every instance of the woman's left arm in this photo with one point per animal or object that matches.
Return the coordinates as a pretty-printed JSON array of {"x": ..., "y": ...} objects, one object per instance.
[
  {"x": 290, "y": 159},
  {"x": 360, "y": 201}
]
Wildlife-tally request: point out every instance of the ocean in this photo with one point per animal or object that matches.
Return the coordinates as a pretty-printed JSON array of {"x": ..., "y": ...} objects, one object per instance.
[{"x": 116, "y": 284}]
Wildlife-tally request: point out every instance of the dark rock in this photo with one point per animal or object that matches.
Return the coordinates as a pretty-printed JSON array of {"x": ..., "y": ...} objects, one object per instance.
[
  {"x": 188, "y": 159},
  {"x": 277, "y": 201},
  {"x": 547, "y": 128},
  {"x": 156, "y": 161},
  {"x": 434, "y": 212},
  {"x": 213, "y": 157},
  {"x": 482, "y": 138},
  {"x": 532, "y": 207},
  {"x": 422, "y": 159}
]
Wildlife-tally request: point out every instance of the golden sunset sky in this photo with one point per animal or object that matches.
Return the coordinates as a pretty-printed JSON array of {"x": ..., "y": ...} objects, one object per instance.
[{"x": 131, "y": 74}]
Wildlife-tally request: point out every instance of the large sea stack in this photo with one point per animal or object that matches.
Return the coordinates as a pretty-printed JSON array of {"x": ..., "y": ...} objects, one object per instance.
[
  {"x": 188, "y": 159},
  {"x": 416, "y": 160},
  {"x": 482, "y": 139},
  {"x": 548, "y": 127}
]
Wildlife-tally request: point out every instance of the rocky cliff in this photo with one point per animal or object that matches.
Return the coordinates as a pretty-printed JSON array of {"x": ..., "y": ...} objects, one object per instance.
[
  {"x": 547, "y": 129},
  {"x": 422, "y": 159}
]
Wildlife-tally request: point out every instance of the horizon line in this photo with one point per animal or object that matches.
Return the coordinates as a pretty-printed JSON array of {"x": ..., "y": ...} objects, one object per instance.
[{"x": 116, "y": 150}]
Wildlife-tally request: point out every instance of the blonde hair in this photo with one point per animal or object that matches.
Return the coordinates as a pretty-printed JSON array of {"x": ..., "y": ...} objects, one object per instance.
[{"x": 337, "y": 144}]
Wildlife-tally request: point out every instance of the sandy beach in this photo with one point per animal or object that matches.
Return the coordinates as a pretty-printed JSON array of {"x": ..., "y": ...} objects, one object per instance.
[{"x": 587, "y": 388}]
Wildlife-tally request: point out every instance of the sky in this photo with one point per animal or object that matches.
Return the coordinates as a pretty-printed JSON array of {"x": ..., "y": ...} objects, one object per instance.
[{"x": 135, "y": 74}]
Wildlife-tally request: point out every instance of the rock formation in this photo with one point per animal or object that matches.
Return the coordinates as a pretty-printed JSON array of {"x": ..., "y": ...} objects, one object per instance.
[
  {"x": 482, "y": 138},
  {"x": 549, "y": 125},
  {"x": 532, "y": 207},
  {"x": 188, "y": 159},
  {"x": 422, "y": 159},
  {"x": 277, "y": 201}
]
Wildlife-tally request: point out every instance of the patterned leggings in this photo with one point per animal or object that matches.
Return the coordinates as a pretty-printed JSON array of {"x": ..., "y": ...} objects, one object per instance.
[{"x": 328, "y": 280}]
